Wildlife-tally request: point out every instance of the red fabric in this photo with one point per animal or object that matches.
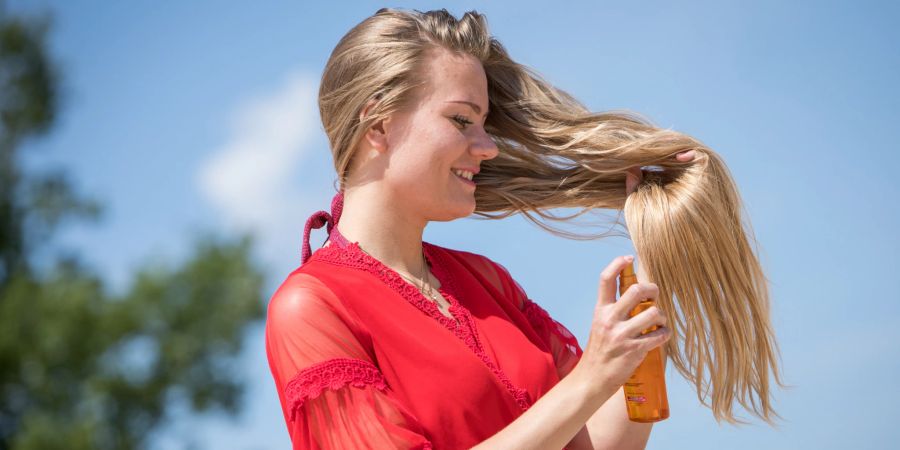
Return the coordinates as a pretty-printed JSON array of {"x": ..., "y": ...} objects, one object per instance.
[
  {"x": 361, "y": 359},
  {"x": 320, "y": 218}
]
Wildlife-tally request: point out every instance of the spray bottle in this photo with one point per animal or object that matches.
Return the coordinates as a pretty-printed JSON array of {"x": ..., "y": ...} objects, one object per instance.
[{"x": 645, "y": 391}]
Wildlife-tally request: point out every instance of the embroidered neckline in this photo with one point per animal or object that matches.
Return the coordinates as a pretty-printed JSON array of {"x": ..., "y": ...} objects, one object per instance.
[{"x": 351, "y": 255}]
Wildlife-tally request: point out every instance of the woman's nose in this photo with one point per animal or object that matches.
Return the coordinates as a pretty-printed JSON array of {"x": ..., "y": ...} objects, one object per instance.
[{"x": 484, "y": 146}]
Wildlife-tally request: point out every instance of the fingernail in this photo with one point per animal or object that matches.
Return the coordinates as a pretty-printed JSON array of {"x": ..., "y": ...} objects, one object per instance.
[{"x": 629, "y": 258}]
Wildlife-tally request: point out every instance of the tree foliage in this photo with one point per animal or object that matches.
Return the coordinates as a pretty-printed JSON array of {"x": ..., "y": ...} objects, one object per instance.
[{"x": 81, "y": 367}]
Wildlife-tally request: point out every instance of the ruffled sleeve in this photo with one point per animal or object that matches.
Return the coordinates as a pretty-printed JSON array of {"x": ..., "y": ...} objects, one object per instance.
[
  {"x": 332, "y": 394},
  {"x": 561, "y": 342}
]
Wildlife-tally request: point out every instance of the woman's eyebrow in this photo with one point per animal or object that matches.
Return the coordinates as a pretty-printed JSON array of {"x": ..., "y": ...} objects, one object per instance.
[{"x": 472, "y": 105}]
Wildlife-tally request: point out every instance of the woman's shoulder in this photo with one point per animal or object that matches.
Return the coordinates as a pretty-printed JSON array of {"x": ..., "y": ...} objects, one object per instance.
[
  {"x": 303, "y": 300},
  {"x": 297, "y": 293}
]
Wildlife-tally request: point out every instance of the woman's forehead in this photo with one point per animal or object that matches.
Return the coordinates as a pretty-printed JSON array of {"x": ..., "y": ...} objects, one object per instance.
[{"x": 456, "y": 78}]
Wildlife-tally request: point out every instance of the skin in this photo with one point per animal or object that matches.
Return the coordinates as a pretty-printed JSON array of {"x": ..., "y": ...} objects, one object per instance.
[{"x": 401, "y": 179}]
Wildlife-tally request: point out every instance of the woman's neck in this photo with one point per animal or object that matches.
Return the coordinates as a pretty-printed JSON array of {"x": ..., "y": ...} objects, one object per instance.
[{"x": 383, "y": 231}]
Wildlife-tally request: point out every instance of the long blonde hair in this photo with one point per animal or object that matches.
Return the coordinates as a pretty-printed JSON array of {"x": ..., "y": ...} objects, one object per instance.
[{"x": 685, "y": 218}]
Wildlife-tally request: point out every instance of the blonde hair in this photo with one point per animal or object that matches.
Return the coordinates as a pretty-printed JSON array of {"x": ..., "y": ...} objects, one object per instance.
[{"x": 685, "y": 218}]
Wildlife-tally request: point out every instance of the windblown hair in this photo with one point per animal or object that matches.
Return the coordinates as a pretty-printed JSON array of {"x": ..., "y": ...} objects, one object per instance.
[{"x": 685, "y": 218}]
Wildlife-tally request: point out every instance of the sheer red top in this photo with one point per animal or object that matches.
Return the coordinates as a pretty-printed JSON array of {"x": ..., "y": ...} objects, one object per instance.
[{"x": 362, "y": 359}]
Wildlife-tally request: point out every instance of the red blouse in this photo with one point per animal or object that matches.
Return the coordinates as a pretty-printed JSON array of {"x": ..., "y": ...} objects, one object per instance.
[{"x": 361, "y": 359}]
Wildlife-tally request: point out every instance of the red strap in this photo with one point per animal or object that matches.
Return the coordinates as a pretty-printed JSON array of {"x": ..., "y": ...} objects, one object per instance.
[{"x": 320, "y": 218}]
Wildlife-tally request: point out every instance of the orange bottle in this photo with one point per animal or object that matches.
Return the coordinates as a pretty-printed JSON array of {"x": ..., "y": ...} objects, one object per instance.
[{"x": 645, "y": 391}]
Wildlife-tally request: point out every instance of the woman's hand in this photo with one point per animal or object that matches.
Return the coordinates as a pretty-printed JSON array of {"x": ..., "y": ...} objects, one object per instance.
[
  {"x": 616, "y": 346},
  {"x": 634, "y": 174}
]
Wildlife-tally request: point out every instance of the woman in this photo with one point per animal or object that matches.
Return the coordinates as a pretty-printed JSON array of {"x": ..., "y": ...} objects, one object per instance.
[{"x": 381, "y": 340}]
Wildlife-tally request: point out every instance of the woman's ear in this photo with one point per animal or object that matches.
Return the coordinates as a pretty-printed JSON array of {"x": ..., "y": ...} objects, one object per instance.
[{"x": 375, "y": 135}]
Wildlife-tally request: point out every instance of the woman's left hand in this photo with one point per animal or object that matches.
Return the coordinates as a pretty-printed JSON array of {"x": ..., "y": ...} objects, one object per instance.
[{"x": 634, "y": 174}]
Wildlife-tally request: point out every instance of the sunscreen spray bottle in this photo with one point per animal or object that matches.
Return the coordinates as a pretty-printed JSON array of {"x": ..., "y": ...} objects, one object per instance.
[{"x": 645, "y": 391}]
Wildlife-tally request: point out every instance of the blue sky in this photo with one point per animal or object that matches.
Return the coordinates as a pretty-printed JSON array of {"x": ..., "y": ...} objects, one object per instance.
[{"x": 186, "y": 117}]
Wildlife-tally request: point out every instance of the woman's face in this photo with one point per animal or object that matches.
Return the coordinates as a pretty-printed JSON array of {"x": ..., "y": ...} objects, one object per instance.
[{"x": 442, "y": 131}]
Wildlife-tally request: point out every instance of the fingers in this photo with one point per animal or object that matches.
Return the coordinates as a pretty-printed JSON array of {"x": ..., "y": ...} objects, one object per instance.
[
  {"x": 645, "y": 321},
  {"x": 606, "y": 293},
  {"x": 635, "y": 294},
  {"x": 654, "y": 338},
  {"x": 685, "y": 156},
  {"x": 633, "y": 176}
]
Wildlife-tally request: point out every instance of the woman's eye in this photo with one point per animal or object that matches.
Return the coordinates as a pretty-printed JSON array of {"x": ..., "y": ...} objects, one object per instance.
[{"x": 461, "y": 120}]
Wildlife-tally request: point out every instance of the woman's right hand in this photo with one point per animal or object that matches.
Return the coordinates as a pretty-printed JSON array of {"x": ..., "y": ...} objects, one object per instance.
[
  {"x": 634, "y": 175},
  {"x": 616, "y": 346}
]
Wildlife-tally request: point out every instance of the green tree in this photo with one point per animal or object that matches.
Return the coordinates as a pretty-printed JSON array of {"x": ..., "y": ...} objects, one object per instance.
[{"x": 81, "y": 367}]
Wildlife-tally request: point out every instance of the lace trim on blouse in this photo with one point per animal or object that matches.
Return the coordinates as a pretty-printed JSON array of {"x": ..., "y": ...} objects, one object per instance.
[
  {"x": 332, "y": 374},
  {"x": 464, "y": 329}
]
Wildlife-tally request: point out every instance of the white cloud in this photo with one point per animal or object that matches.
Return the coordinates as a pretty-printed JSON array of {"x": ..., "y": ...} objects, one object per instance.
[
  {"x": 259, "y": 181},
  {"x": 251, "y": 179}
]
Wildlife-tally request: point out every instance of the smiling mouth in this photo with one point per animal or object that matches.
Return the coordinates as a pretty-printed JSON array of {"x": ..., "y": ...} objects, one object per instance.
[
  {"x": 463, "y": 173},
  {"x": 464, "y": 179}
]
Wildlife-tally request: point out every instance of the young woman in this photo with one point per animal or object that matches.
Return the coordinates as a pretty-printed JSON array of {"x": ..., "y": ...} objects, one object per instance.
[{"x": 380, "y": 340}]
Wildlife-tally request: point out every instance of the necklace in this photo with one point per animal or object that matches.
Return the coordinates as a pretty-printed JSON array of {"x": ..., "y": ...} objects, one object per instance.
[
  {"x": 430, "y": 292},
  {"x": 427, "y": 293},
  {"x": 420, "y": 286}
]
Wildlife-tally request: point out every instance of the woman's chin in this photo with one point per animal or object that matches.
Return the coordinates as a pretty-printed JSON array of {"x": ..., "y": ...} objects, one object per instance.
[{"x": 457, "y": 210}]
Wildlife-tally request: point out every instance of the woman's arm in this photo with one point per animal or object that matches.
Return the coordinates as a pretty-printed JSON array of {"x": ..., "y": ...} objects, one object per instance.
[
  {"x": 609, "y": 427},
  {"x": 553, "y": 421},
  {"x": 559, "y": 418}
]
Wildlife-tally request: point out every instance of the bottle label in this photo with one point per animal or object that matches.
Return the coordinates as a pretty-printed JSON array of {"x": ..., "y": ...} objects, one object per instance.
[{"x": 636, "y": 398}]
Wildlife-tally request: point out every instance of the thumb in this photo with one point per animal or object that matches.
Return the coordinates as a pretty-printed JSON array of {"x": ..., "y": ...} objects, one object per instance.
[{"x": 632, "y": 177}]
